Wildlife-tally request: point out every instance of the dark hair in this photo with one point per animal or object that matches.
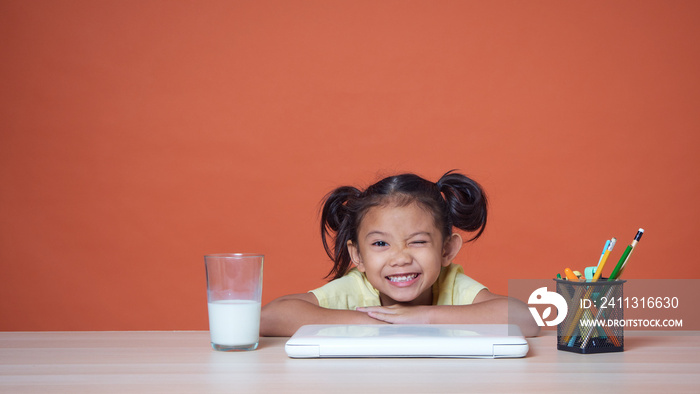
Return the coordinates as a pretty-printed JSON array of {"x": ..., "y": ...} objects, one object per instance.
[{"x": 455, "y": 201}]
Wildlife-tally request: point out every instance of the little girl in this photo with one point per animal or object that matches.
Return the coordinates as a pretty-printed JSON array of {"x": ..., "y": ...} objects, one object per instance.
[{"x": 397, "y": 237}]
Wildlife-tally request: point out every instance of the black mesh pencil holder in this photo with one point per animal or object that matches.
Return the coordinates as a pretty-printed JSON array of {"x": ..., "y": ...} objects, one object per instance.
[{"x": 594, "y": 321}]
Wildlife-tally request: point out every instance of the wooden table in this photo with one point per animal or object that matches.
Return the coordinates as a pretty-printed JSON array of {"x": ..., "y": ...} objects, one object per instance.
[{"x": 183, "y": 362}]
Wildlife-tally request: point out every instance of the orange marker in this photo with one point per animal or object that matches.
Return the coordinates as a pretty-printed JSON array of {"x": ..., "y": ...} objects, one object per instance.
[{"x": 570, "y": 274}]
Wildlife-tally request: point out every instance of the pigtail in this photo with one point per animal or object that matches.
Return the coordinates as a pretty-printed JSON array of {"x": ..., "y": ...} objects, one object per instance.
[
  {"x": 337, "y": 223},
  {"x": 466, "y": 203}
]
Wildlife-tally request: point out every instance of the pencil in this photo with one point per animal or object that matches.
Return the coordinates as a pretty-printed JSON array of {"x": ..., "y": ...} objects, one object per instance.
[
  {"x": 625, "y": 256},
  {"x": 599, "y": 270}
]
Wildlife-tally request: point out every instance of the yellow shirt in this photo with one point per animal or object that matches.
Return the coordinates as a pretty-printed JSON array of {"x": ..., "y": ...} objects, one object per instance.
[{"x": 353, "y": 290}]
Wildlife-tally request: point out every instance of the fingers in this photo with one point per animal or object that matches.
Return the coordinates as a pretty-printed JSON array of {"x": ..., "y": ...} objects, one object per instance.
[
  {"x": 385, "y": 317},
  {"x": 398, "y": 314},
  {"x": 376, "y": 309},
  {"x": 385, "y": 314}
]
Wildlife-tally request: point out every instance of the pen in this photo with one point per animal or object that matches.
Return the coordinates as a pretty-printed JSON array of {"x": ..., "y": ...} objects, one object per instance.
[
  {"x": 590, "y": 271},
  {"x": 605, "y": 249},
  {"x": 601, "y": 263},
  {"x": 625, "y": 256}
]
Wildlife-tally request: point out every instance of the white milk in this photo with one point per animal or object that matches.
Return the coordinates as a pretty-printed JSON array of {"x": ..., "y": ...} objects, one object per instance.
[{"x": 234, "y": 322}]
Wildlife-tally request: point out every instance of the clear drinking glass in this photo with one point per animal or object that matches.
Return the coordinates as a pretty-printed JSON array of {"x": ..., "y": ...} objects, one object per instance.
[{"x": 234, "y": 294}]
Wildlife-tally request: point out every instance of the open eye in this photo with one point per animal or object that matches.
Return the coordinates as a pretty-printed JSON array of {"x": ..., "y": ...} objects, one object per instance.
[{"x": 379, "y": 243}]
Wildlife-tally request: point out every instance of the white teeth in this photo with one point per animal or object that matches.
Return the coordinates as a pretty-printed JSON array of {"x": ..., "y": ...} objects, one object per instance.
[{"x": 402, "y": 278}]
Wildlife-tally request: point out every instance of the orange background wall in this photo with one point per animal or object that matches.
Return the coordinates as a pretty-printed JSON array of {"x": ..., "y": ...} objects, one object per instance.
[{"x": 137, "y": 136}]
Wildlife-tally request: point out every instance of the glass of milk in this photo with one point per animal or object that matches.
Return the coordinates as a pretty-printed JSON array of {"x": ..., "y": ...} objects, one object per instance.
[{"x": 234, "y": 293}]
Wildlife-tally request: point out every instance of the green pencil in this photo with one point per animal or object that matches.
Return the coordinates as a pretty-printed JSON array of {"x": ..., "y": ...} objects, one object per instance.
[
  {"x": 620, "y": 263},
  {"x": 625, "y": 256}
]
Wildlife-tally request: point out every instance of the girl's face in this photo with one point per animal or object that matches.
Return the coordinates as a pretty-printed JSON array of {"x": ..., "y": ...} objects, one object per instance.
[{"x": 401, "y": 252}]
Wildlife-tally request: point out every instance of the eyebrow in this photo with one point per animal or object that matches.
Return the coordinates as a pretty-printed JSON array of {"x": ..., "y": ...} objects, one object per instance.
[{"x": 381, "y": 233}]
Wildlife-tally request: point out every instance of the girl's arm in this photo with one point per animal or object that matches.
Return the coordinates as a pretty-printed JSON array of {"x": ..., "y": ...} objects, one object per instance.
[
  {"x": 283, "y": 316},
  {"x": 487, "y": 308}
]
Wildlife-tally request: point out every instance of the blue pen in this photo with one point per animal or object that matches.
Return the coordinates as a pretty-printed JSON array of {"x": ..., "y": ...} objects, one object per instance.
[
  {"x": 607, "y": 244},
  {"x": 590, "y": 271}
]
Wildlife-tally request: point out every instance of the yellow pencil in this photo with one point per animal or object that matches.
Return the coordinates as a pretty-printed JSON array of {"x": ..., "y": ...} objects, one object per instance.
[{"x": 599, "y": 270}]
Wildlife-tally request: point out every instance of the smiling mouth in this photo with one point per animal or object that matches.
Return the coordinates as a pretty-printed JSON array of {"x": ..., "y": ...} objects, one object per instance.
[{"x": 402, "y": 278}]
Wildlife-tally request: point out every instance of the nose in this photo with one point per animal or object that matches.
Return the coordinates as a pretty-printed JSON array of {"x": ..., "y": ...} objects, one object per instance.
[{"x": 401, "y": 258}]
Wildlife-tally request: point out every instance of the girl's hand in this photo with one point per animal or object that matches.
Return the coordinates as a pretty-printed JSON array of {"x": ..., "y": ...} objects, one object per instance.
[{"x": 399, "y": 314}]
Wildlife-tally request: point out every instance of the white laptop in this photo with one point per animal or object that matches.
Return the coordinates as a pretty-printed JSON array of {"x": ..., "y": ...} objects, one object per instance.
[{"x": 407, "y": 340}]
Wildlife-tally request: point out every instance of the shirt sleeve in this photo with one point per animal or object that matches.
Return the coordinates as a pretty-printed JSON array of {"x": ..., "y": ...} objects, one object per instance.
[{"x": 456, "y": 288}]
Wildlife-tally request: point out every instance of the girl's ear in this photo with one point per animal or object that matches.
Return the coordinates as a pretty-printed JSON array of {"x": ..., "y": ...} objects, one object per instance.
[
  {"x": 355, "y": 256},
  {"x": 452, "y": 246}
]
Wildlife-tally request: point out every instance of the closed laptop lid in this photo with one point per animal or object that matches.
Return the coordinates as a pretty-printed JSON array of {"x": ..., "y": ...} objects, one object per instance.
[{"x": 407, "y": 340}]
